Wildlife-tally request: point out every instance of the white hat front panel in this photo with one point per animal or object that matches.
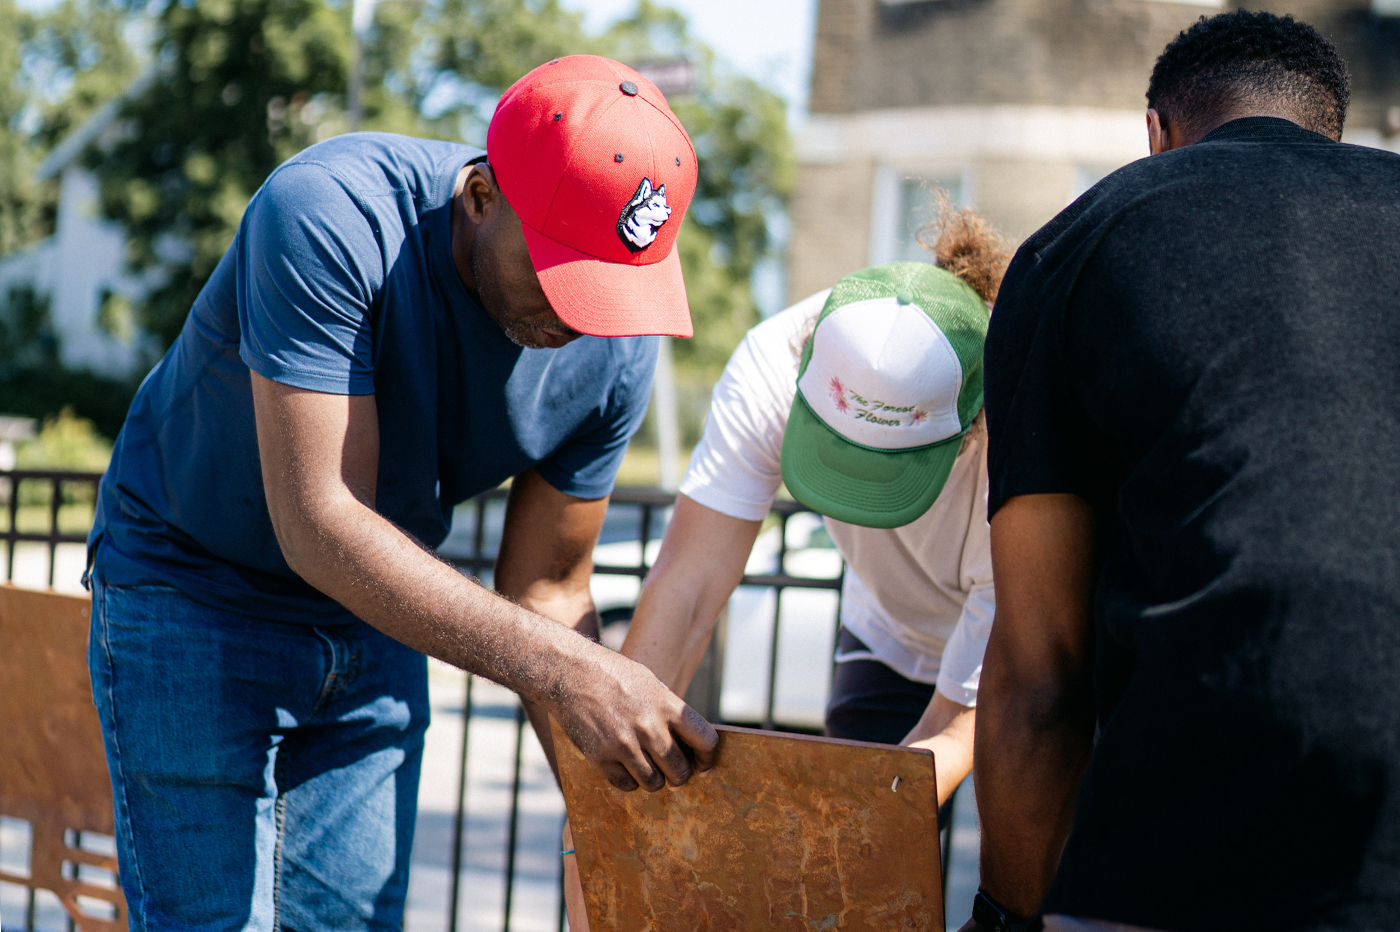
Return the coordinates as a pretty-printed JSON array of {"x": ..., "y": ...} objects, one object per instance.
[{"x": 883, "y": 375}]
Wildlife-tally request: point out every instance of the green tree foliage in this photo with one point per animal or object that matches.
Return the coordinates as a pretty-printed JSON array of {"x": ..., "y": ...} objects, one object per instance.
[
  {"x": 491, "y": 43},
  {"x": 34, "y": 383},
  {"x": 243, "y": 84},
  {"x": 739, "y": 130},
  {"x": 79, "y": 59},
  {"x": 231, "y": 88},
  {"x": 394, "y": 85},
  {"x": 56, "y": 68},
  {"x": 239, "y": 86},
  {"x": 66, "y": 441},
  {"x": 27, "y": 340},
  {"x": 19, "y": 203}
]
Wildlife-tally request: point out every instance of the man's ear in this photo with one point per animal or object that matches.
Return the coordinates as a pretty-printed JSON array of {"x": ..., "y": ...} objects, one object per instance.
[
  {"x": 480, "y": 194},
  {"x": 1158, "y": 140}
]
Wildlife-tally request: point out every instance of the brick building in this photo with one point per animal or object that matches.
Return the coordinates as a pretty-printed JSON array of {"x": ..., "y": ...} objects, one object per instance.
[{"x": 1015, "y": 107}]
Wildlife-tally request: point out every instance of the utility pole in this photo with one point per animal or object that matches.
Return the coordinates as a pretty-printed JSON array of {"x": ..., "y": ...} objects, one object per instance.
[
  {"x": 361, "y": 18},
  {"x": 673, "y": 77},
  {"x": 668, "y": 433}
]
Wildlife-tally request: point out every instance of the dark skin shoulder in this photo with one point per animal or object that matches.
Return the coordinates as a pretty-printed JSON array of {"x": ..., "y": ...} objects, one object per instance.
[{"x": 1035, "y": 711}]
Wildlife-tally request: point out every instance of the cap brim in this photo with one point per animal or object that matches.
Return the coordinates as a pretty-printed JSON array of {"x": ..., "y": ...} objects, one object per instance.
[
  {"x": 611, "y": 299},
  {"x": 871, "y": 488}
]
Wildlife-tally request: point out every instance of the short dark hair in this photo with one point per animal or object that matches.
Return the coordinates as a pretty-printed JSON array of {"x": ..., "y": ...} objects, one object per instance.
[{"x": 1242, "y": 57}]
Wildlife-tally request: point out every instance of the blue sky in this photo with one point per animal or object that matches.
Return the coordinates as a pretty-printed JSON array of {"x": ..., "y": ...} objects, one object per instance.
[{"x": 770, "y": 40}]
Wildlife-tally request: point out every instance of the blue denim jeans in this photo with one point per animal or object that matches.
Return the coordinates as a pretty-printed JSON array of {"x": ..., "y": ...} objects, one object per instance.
[{"x": 265, "y": 775}]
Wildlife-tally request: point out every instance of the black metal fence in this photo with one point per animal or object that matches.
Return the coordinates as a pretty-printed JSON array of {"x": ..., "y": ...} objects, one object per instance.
[
  {"x": 51, "y": 509},
  {"x": 46, "y": 507}
]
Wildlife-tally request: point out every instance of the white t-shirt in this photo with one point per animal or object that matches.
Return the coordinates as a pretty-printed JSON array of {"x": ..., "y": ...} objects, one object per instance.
[{"x": 920, "y": 596}]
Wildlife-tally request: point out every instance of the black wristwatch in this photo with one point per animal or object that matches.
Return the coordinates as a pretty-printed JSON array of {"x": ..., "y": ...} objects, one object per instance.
[{"x": 991, "y": 916}]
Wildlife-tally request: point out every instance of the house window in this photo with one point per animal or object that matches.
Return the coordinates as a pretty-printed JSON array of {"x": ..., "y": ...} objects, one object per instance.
[
  {"x": 904, "y": 203},
  {"x": 918, "y": 207}
]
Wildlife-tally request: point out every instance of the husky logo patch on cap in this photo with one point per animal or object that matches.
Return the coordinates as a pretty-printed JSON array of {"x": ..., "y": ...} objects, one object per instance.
[{"x": 643, "y": 216}]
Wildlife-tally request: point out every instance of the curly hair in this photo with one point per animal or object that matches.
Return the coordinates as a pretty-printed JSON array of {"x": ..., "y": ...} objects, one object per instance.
[
  {"x": 962, "y": 243},
  {"x": 1235, "y": 58},
  {"x": 966, "y": 245}
]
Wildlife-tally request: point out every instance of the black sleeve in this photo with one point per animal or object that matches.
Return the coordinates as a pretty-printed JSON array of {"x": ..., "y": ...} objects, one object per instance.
[{"x": 1040, "y": 440}]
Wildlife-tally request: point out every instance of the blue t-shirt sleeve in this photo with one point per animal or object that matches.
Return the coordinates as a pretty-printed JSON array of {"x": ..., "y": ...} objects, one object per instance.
[
  {"x": 309, "y": 266},
  {"x": 586, "y": 465}
]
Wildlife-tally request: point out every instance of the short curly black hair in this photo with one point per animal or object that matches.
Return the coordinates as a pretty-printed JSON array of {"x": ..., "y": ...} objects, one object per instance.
[{"x": 1237, "y": 58}]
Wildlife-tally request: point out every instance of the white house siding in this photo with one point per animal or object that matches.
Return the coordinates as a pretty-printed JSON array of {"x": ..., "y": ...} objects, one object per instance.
[{"x": 74, "y": 267}]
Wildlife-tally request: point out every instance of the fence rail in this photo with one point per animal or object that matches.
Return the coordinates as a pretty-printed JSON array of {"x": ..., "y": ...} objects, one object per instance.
[
  {"x": 33, "y": 497},
  {"x": 57, "y": 482}
]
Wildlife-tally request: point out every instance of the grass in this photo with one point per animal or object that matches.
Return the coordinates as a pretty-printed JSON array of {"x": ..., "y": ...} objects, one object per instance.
[
  {"x": 73, "y": 518},
  {"x": 641, "y": 467}
]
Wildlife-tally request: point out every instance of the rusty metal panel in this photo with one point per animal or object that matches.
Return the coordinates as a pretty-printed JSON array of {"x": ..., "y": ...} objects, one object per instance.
[
  {"x": 786, "y": 832},
  {"x": 53, "y": 772}
]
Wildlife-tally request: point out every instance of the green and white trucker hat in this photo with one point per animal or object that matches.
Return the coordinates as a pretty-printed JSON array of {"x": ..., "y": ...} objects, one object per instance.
[{"x": 889, "y": 384}]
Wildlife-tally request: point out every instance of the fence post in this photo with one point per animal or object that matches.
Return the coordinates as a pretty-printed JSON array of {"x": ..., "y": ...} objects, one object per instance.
[
  {"x": 514, "y": 829},
  {"x": 459, "y": 818},
  {"x": 708, "y": 683}
]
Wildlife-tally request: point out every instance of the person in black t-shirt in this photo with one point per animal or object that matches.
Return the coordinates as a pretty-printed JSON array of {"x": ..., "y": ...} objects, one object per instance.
[{"x": 1190, "y": 706}]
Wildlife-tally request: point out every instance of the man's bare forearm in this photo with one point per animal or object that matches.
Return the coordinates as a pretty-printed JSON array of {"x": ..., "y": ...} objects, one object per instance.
[
  {"x": 671, "y": 629},
  {"x": 1035, "y": 712},
  {"x": 701, "y": 561},
  {"x": 572, "y": 609},
  {"x": 384, "y": 577},
  {"x": 1032, "y": 746},
  {"x": 319, "y": 454},
  {"x": 946, "y": 729}
]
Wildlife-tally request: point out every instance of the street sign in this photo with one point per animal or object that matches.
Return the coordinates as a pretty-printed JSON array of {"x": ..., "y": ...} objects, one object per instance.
[{"x": 676, "y": 76}]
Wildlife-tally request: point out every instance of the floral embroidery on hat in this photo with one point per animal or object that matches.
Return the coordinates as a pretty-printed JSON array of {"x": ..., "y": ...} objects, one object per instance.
[
  {"x": 873, "y": 410},
  {"x": 838, "y": 395}
]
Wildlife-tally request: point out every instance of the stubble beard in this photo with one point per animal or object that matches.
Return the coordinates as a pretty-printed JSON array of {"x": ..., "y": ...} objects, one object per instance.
[{"x": 522, "y": 333}]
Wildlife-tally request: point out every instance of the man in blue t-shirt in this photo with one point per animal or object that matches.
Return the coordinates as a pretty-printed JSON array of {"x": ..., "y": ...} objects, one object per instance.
[{"x": 398, "y": 326}]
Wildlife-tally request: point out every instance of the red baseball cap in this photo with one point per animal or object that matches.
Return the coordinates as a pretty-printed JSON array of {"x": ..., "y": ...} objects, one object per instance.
[{"x": 600, "y": 172}]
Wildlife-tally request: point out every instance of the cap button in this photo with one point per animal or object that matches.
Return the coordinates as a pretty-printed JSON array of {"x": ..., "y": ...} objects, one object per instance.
[
  {"x": 904, "y": 297},
  {"x": 628, "y": 88}
]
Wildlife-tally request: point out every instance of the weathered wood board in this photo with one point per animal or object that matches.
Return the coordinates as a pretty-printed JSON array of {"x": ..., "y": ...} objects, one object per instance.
[
  {"x": 786, "y": 832},
  {"x": 53, "y": 771}
]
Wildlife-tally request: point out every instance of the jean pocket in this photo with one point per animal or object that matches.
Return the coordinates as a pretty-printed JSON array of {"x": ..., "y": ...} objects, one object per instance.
[{"x": 153, "y": 606}]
